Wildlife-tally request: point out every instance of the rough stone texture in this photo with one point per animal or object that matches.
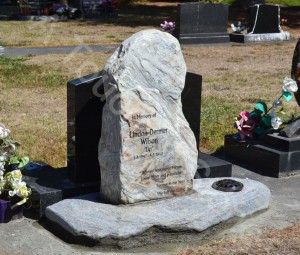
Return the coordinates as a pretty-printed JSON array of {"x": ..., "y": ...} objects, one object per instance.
[
  {"x": 147, "y": 149},
  {"x": 84, "y": 218},
  {"x": 291, "y": 130}
]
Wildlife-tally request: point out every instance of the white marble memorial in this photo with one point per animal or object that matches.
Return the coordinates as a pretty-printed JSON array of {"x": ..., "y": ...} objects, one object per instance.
[{"x": 147, "y": 149}]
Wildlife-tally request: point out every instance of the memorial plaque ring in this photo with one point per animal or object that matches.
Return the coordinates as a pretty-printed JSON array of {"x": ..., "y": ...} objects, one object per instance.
[{"x": 228, "y": 185}]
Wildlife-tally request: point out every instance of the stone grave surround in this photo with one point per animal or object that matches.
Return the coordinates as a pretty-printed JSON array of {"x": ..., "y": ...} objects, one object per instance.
[
  {"x": 277, "y": 154},
  {"x": 147, "y": 149},
  {"x": 146, "y": 152}
]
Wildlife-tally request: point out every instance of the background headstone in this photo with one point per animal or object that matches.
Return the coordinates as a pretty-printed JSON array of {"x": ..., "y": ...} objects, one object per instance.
[
  {"x": 202, "y": 23},
  {"x": 147, "y": 149},
  {"x": 264, "y": 25},
  {"x": 264, "y": 19}
]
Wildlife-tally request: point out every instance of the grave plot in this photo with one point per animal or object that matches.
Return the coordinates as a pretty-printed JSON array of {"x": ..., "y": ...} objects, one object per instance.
[
  {"x": 276, "y": 153},
  {"x": 148, "y": 157}
]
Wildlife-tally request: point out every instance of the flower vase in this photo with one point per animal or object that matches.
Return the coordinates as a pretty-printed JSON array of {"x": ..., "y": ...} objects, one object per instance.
[{"x": 7, "y": 213}]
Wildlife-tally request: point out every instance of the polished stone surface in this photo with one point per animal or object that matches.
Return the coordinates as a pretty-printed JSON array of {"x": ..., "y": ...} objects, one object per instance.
[
  {"x": 85, "y": 219},
  {"x": 200, "y": 23},
  {"x": 85, "y": 102},
  {"x": 271, "y": 157},
  {"x": 264, "y": 19},
  {"x": 147, "y": 149},
  {"x": 210, "y": 166}
]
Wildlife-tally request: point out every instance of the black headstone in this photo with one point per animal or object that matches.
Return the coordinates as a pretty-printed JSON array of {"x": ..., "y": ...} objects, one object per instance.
[
  {"x": 85, "y": 104},
  {"x": 202, "y": 23},
  {"x": 264, "y": 19},
  {"x": 296, "y": 70},
  {"x": 84, "y": 127}
]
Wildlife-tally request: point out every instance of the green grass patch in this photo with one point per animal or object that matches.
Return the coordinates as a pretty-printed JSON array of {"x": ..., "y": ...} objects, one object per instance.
[
  {"x": 14, "y": 73},
  {"x": 284, "y": 2},
  {"x": 217, "y": 119}
]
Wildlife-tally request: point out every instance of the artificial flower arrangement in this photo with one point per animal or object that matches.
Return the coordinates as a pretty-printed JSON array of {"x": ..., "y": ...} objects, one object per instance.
[
  {"x": 262, "y": 119},
  {"x": 168, "y": 26},
  {"x": 12, "y": 188}
]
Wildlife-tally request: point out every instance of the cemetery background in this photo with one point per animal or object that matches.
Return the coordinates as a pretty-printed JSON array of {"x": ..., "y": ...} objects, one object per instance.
[{"x": 228, "y": 72}]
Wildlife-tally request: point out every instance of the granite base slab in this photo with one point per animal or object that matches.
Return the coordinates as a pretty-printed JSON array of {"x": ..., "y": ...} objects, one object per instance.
[
  {"x": 203, "y": 38},
  {"x": 84, "y": 220},
  {"x": 51, "y": 185},
  {"x": 246, "y": 38},
  {"x": 210, "y": 166},
  {"x": 274, "y": 156}
]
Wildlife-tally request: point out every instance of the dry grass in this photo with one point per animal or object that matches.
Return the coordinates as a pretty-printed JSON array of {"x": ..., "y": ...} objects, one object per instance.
[
  {"x": 34, "y": 104},
  {"x": 275, "y": 242},
  {"x": 233, "y": 79},
  {"x": 105, "y": 30},
  {"x": 42, "y": 33}
]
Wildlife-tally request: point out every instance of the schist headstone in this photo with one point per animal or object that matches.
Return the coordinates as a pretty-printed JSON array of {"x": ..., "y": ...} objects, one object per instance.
[
  {"x": 199, "y": 23},
  {"x": 147, "y": 149},
  {"x": 264, "y": 25},
  {"x": 85, "y": 103}
]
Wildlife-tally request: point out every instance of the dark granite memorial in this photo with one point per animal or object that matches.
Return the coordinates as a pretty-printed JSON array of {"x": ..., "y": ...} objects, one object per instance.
[
  {"x": 200, "y": 23},
  {"x": 85, "y": 103},
  {"x": 276, "y": 154},
  {"x": 264, "y": 25}
]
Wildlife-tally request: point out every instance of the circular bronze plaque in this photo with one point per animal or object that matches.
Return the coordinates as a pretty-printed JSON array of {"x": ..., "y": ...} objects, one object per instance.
[{"x": 228, "y": 185}]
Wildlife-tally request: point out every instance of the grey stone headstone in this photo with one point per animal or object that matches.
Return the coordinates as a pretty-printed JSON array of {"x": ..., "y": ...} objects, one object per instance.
[
  {"x": 85, "y": 103},
  {"x": 202, "y": 23},
  {"x": 264, "y": 19},
  {"x": 147, "y": 149}
]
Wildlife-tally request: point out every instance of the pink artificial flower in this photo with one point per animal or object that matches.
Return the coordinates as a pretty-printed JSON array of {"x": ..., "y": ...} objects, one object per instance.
[{"x": 245, "y": 124}]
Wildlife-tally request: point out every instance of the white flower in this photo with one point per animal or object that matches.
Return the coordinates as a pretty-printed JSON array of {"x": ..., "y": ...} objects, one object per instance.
[
  {"x": 11, "y": 193},
  {"x": 4, "y": 132},
  {"x": 17, "y": 184},
  {"x": 289, "y": 85},
  {"x": 1, "y": 174},
  {"x": 2, "y": 164},
  {"x": 276, "y": 122}
]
